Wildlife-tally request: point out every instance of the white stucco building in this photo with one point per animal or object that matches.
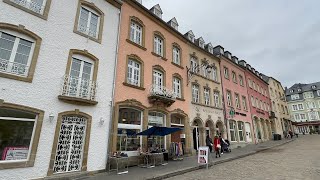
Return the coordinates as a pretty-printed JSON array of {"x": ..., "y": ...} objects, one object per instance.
[{"x": 57, "y": 62}]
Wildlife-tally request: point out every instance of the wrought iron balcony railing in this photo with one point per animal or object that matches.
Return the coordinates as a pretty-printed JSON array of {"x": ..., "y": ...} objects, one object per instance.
[
  {"x": 13, "y": 68},
  {"x": 86, "y": 30},
  {"x": 30, "y": 4},
  {"x": 162, "y": 91},
  {"x": 79, "y": 88}
]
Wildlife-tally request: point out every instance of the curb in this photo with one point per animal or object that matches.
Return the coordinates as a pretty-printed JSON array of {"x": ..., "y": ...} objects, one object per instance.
[{"x": 194, "y": 168}]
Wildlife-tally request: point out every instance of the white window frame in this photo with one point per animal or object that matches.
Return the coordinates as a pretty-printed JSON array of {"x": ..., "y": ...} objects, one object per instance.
[
  {"x": 297, "y": 117},
  {"x": 226, "y": 72},
  {"x": 244, "y": 103},
  {"x": 194, "y": 65},
  {"x": 303, "y": 116},
  {"x": 177, "y": 86},
  {"x": 314, "y": 115},
  {"x": 195, "y": 93},
  {"x": 233, "y": 130},
  {"x": 87, "y": 30},
  {"x": 11, "y": 62},
  {"x": 318, "y": 92},
  {"x": 176, "y": 55},
  {"x": 250, "y": 83},
  {"x": 302, "y": 107},
  {"x": 253, "y": 102},
  {"x": 158, "y": 45},
  {"x": 206, "y": 95},
  {"x": 229, "y": 98},
  {"x": 134, "y": 70},
  {"x": 234, "y": 77},
  {"x": 257, "y": 103},
  {"x": 308, "y": 95},
  {"x": 240, "y": 80},
  {"x": 311, "y": 105},
  {"x": 214, "y": 74},
  {"x": 158, "y": 78},
  {"x": 295, "y": 96},
  {"x": 294, "y": 107},
  {"x": 241, "y": 130},
  {"x": 216, "y": 97},
  {"x": 237, "y": 100},
  {"x": 136, "y": 31},
  {"x": 32, "y": 5}
]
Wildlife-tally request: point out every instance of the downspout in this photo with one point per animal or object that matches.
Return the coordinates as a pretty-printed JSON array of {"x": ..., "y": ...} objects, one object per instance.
[
  {"x": 224, "y": 107},
  {"x": 113, "y": 88}
]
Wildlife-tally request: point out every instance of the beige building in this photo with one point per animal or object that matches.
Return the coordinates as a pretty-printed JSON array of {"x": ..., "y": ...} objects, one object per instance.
[
  {"x": 279, "y": 112},
  {"x": 204, "y": 82}
]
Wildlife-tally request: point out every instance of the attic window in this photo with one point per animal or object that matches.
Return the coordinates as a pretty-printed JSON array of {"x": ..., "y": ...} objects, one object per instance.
[
  {"x": 299, "y": 90},
  {"x": 191, "y": 37},
  {"x": 157, "y": 12},
  {"x": 201, "y": 44},
  {"x": 174, "y": 25},
  {"x": 313, "y": 87},
  {"x": 291, "y": 90},
  {"x": 210, "y": 50}
]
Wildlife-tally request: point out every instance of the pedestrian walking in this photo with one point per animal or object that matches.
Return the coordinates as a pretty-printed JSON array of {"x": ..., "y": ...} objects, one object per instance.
[
  {"x": 209, "y": 142},
  {"x": 217, "y": 146}
]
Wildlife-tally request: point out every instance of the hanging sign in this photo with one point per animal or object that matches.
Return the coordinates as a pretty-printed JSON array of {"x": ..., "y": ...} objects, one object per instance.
[{"x": 203, "y": 155}]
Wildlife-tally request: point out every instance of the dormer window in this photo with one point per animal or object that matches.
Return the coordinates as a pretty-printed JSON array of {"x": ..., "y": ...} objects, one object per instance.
[
  {"x": 210, "y": 49},
  {"x": 291, "y": 91},
  {"x": 313, "y": 87},
  {"x": 157, "y": 10},
  {"x": 299, "y": 90},
  {"x": 174, "y": 23},
  {"x": 191, "y": 38},
  {"x": 157, "y": 13},
  {"x": 201, "y": 44}
]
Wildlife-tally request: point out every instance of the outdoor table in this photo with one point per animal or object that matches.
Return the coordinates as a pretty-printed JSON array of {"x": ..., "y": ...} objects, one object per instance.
[
  {"x": 147, "y": 159},
  {"x": 158, "y": 158},
  {"x": 119, "y": 161}
]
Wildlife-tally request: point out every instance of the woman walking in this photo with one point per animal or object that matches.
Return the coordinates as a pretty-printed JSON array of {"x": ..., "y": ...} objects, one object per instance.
[{"x": 217, "y": 145}]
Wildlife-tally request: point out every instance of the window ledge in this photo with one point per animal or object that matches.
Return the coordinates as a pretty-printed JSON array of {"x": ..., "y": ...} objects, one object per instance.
[
  {"x": 135, "y": 44},
  {"x": 177, "y": 65},
  {"x": 133, "y": 86},
  {"x": 180, "y": 99},
  {"x": 78, "y": 101},
  {"x": 87, "y": 36},
  {"x": 197, "y": 74},
  {"x": 157, "y": 55},
  {"x": 11, "y": 165},
  {"x": 43, "y": 16},
  {"x": 206, "y": 105},
  {"x": 16, "y": 77}
]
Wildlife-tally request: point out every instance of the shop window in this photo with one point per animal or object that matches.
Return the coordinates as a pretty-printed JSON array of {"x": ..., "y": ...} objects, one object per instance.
[
  {"x": 156, "y": 119},
  {"x": 129, "y": 116},
  {"x": 127, "y": 140},
  {"x": 232, "y": 127},
  {"x": 240, "y": 130}
]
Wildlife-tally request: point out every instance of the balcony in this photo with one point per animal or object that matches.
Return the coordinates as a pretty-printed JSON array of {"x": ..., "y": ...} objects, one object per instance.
[
  {"x": 272, "y": 115},
  {"x": 31, "y": 5},
  {"x": 161, "y": 94},
  {"x": 79, "y": 91},
  {"x": 13, "y": 68}
]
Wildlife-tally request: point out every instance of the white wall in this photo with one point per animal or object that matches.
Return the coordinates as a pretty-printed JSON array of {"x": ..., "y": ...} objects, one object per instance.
[{"x": 57, "y": 39}]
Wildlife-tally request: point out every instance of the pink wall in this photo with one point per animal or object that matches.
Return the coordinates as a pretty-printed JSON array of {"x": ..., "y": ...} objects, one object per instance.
[
  {"x": 123, "y": 92},
  {"x": 265, "y": 98},
  {"x": 228, "y": 84}
]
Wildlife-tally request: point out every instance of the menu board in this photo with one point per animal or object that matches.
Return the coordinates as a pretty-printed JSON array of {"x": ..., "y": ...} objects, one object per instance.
[
  {"x": 203, "y": 155},
  {"x": 15, "y": 153}
]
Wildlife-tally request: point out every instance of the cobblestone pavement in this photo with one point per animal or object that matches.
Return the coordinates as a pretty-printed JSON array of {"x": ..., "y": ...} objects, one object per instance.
[{"x": 298, "y": 160}]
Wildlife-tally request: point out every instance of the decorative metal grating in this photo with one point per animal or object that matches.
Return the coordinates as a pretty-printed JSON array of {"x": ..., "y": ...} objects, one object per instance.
[
  {"x": 13, "y": 67},
  {"x": 156, "y": 90},
  {"x": 79, "y": 87},
  {"x": 70, "y": 144},
  {"x": 30, "y": 4}
]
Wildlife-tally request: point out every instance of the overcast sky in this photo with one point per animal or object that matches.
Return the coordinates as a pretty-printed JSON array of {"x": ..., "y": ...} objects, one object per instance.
[{"x": 280, "y": 38}]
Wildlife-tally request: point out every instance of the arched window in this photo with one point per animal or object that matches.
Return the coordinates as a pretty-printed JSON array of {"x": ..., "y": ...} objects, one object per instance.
[
  {"x": 159, "y": 44},
  {"x": 89, "y": 21},
  {"x": 240, "y": 130},
  {"x": 177, "y": 83},
  {"x": 80, "y": 78},
  {"x": 195, "y": 93},
  {"x": 157, "y": 119},
  {"x": 232, "y": 128},
  {"x": 19, "y": 49}
]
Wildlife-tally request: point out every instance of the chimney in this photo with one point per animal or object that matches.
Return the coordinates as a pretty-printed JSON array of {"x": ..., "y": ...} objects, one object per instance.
[
  {"x": 218, "y": 49},
  {"x": 228, "y": 54}
]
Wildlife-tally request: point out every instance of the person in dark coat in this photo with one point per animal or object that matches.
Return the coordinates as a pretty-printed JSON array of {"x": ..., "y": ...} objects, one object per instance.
[{"x": 209, "y": 142}]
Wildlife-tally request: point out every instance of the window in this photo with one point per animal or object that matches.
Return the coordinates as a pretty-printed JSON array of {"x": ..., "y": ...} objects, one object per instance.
[
  {"x": 303, "y": 117},
  {"x": 129, "y": 123},
  {"x": 313, "y": 115},
  {"x": 254, "y": 86},
  {"x": 297, "y": 117},
  {"x": 240, "y": 130},
  {"x": 205, "y": 71},
  {"x": 157, "y": 119},
  {"x": 261, "y": 105},
  {"x": 195, "y": 93},
  {"x": 311, "y": 105},
  {"x": 158, "y": 80},
  {"x": 215, "y": 75},
  {"x": 177, "y": 86},
  {"x": 250, "y": 83},
  {"x": 265, "y": 106},
  {"x": 244, "y": 103},
  {"x": 282, "y": 107},
  {"x": 216, "y": 98},
  {"x": 229, "y": 98},
  {"x": 241, "y": 80},
  {"x": 258, "y": 88},
  {"x": 237, "y": 100},
  {"x": 300, "y": 106},
  {"x": 158, "y": 45},
  {"x": 234, "y": 77},
  {"x": 287, "y": 110},
  {"x": 134, "y": 72},
  {"x": 295, "y": 107},
  {"x": 299, "y": 90},
  {"x": 89, "y": 21},
  {"x": 291, "y": 90},
  {"x": 257, "y": 103},
  {"x": 176, "y": 55},
  {"x": 194, "y": 65},
  {"x": 232, "y": 126},
  {"x": 295, "y": 96},
  {"x": 226, "y": 72},
  {"x": 308, "y": 95},
  {"x": 15, "y": 54},
  {"x": 318, "y": 92},
  {"x": 201, "y": 44},
  {"x": 253, "y": 102},
  {"x": 206, "y": 93},
  {"x": 38, "y": 8},
  {"x": 136, "y": 32}
]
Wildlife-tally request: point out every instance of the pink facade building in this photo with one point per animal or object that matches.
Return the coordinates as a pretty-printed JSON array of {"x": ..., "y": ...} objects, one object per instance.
[
  {"x": 260, "y": 102},
  {"x": 236, "y": 101}
]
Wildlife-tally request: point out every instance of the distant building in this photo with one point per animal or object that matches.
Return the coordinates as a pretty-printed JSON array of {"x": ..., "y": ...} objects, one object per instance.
[{"x": 304, "y": 104}]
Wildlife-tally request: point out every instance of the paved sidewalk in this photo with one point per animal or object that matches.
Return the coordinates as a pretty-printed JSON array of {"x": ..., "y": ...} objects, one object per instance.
[{"x": 188, "y": 164}]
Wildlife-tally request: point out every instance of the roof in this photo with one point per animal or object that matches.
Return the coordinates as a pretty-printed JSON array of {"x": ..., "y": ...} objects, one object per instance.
[
  {"x": 303, "y": 87},
  {"x": 189, "y": 32},
  {"x": 157, "y": 6},
  {"x": 265, "y": 78},
  {"x": 174, "y": 20}
]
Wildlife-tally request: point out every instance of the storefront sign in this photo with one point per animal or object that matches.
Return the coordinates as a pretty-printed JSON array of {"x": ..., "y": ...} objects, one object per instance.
[
  {"x": 15, "y": 153},
  {"x": 155, "y": 120},
  {"x": 182, "y": 135},
  {"x": 203, "y": 155},
  {"x": 208, "y": 110}
]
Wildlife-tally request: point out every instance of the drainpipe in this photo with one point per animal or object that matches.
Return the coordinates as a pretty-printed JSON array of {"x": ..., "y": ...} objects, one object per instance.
[
  {"x": 113, "y": 88},
  {"x": 224, "y": 107}
]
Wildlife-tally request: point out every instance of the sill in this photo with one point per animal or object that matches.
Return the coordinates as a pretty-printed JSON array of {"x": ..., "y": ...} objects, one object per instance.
[
  {"x": 87, "y": 36},
  {"x": 197, "y": 74},
  {"x": 43, "y": 16},
  {"x": 157, "y": 55},
  {"x": 135, "y": 44},
  {"x": 12, "y": 165},
  {"x": 16, "y": 77},
  {"x": 177, "y": 65},
  {"x": 134, "y": 86},
  {"x": 180, "y": 99},
  {"x": 78, "y": 101},
  {"x": 206, "y": 105}
]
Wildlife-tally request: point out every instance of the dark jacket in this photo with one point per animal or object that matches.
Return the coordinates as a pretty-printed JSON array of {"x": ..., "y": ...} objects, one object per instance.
[{"x": 208, "y": 141}]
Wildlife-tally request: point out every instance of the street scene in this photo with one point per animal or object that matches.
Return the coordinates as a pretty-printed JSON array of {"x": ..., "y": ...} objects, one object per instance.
[
  {"x": 298, "y": 160},
  {"x": 158, "y": 89}
]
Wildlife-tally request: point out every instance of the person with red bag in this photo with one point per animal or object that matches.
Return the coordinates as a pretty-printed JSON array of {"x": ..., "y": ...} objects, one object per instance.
[{"x": 217, "y": 146}]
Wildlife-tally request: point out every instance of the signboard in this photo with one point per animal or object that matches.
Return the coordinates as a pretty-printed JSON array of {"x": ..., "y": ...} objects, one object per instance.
[
  {"x": 155, "y": 120},
  {"x": 182, "y": 135},
  {"x": 203, "y": 155},
  {"x": 15, "y": 153}
]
